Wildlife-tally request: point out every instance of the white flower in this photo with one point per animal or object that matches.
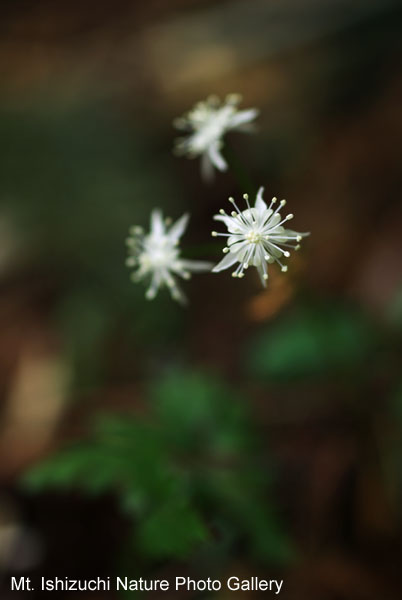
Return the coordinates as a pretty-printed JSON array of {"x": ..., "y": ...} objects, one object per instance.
[
  {"x": 256, "y": 237},
  {"x": 206, "y": 125},
  {"x": 157, "y": 255}
]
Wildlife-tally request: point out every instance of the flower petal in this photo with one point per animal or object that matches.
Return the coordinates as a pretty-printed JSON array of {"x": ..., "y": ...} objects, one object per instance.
[
  {"x": 178, "y": 228},
  {"x": 196, "y": 265},
  {"x": 216, "y": 157},
  {"x": 260, "y": 204},
  {"x": 157, "y": 225},
  {"x": 227, "y": 261},
  {"x": 243, "y": 116}
]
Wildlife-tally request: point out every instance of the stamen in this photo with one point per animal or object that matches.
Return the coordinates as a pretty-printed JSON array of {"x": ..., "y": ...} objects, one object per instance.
[
  {"x": 245, "y": 196},
  {"x": 287, "y": 218},
  {"x": 274, "y": 199},
  {"x": 284, "y": 252},
  {"x": 232, "y": 200}
]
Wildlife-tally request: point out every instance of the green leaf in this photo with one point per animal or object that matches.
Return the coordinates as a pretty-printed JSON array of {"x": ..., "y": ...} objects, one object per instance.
[
  {"x": 171, "y": 530},
  {"x": 244, "y": 500},
  {"x": 312, "y": 341},
  {"x": 201, "y": 414}
]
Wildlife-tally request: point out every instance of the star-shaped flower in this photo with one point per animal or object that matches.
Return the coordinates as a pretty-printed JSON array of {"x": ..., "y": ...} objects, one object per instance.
[
  {"x": 156, "y": 255},
  {"x": 256, "y": 237},
  {"x": 206, "y": 125}
]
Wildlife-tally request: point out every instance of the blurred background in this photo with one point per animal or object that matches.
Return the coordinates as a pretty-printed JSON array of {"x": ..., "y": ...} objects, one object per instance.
[{"x": 256, "y": 432}]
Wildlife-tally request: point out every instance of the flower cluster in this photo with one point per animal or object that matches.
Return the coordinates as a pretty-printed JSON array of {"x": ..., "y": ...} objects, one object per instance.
[
  {"x": 256, "y": 236},
  {"x": 206, "y": 124},
  {"x": 156, "y": 256}
]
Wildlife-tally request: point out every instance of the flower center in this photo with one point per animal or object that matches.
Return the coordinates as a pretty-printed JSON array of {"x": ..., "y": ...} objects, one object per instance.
[{"x": 253, "y": 237}]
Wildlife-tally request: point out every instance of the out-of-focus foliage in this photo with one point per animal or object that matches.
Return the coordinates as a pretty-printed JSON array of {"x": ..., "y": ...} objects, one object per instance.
[
  {"x": 73, "y": 181},
  {"x": 191, "y": 458},
  {"x": 395, "y": 311},
  {"x": 313, "y": 340}
]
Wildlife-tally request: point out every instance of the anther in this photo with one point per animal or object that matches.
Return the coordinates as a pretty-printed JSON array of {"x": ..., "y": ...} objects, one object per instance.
[
  {"x": 286, "y": 253},
  {"x": 282, "y": 202},
  {"x": 233, "y": 213},
  {"x": 299, "y": 238},
  {"x": 225, "y": 250},
  {"x": 284, "y": 269},
  {"x": 245, "y": 196},
  {"x": 290, "y": 216},
  {"x": 222, "y": 212},
  {"x": 214, "y": 233},
  {"x": 265, "y": 276},
  {"x": 274, "y": 199}
]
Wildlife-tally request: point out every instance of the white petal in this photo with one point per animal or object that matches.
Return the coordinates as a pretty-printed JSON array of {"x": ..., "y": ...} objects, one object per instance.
[
  {"x": 242, "y": 251},
  {"x": 154, "y": 286},
  {"x": 216, "y": 157},
  {"x": 260, "y": 205},
  {"x": 177, "y": 294},
  {"x": 243, "y": 116},
  {"x": 225, "y": 263},
  {"x": 231, "y": 223},
  {"x": 178, "y": 228},
  {"x": 273, "y": 221},
  {"x": 234, "y": 239},
  {"x": 196, "y": 265},
  {"x": 157, "y": 225}
]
